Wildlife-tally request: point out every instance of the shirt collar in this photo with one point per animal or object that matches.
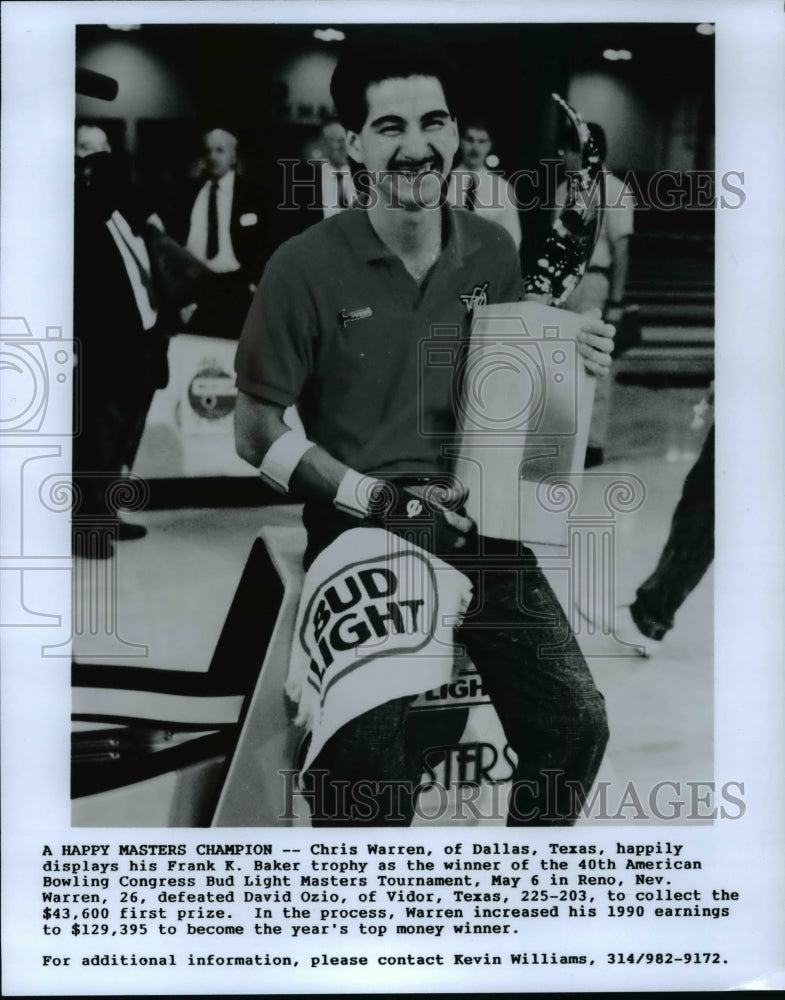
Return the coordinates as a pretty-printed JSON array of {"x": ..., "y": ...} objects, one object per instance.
[
  {"x": 460, "y": 241},
  {"x": 227, "y": 181}
]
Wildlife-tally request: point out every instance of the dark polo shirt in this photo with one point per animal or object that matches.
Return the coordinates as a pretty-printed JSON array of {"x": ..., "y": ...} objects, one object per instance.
[{"x": 340, "y": 328}]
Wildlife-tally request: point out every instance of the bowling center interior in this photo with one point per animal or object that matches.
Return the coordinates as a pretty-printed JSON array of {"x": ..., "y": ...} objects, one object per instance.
[{"x": 181, "y": 637}]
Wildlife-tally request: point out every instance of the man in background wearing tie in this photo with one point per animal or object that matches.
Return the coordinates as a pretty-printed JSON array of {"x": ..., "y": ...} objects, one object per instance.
[
  {"x": 220, "y": 224},
  {"x": 318, "y": 188},
  {"x": 474, "y": 187},
  {"x": 337, "y": 189}
]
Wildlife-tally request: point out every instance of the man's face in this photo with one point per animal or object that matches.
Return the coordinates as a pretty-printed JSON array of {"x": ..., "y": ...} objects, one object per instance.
[
  {"x": 220, "y": 152},
  {"x": 334, "y": 141},
  {"x": 408, "y": 141},
  {"x": 475, "y": 147},
  {"x": 91, "y": 139}
]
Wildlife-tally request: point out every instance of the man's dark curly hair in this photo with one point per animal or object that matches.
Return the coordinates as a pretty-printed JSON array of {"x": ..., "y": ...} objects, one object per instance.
[{"x": 387, "y": 54}]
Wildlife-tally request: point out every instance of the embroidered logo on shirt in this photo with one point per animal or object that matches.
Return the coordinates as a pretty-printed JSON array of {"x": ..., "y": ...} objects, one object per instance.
[
  {"x": 478, "y": 297},
  {"x": 346, "y": 316}
]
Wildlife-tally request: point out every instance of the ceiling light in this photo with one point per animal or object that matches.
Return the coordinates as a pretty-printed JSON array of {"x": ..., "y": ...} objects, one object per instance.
[
  {"x": 611, "y": 54},
  {"x": 704, "y": 29},
  {"x": 624, "y": 54},
  {"x": 329, "y": 35}
]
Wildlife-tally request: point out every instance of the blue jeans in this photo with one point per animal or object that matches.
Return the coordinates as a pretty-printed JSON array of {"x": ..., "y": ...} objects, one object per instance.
[
  {"x": 687, "y": 554},
  {"x": 521, "y": 644}
]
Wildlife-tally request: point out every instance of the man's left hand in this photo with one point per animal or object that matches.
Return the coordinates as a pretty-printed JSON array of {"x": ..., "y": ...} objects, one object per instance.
[{"x": 595, "y": 343}]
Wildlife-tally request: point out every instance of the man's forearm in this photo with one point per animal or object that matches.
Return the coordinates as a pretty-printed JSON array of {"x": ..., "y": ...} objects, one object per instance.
[
  {"x": 317, "y": 476},
  {"x": 258, "y": 425}
]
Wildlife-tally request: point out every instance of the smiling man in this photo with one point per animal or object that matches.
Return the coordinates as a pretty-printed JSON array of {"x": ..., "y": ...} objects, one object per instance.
[{"x": 336, "y": 328}]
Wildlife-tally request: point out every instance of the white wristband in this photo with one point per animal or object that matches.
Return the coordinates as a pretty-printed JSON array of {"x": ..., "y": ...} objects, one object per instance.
[
  {"x": 282, "y": 458},
  {"x": 354, "y": 494}
]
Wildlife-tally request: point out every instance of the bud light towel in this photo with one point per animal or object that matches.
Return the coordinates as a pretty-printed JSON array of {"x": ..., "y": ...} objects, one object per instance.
[{"x": 375, "y": 622}]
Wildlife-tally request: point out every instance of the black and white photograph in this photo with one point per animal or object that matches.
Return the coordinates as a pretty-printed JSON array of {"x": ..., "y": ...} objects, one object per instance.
[
  {"x": 292, "y": 233},
  {"x": 358, "y": 460}
]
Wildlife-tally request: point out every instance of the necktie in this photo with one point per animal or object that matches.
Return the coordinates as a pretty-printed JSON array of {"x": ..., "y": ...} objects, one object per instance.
[
  {"x": 342, "y": 200},
  {"x": 212, "y": 221},
  {"x": 470, "y": 200}
]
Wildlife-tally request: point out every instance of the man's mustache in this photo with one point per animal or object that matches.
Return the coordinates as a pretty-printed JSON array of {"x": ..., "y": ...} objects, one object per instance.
[{"x": 434, "y": 162}]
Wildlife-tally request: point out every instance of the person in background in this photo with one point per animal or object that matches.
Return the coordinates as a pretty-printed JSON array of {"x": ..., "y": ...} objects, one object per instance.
[
  {"x": 684, "y": 560},
  {"x": 91, "y": 139},
  {"x": 309, "y": 191},
  {"x": 119, "y": 349},
  {"x": 219, "y": 222},
  {"x": 337, "y": 188},
  {"x": 602, "y": 287},
  {"x": 476, "y": 188}
]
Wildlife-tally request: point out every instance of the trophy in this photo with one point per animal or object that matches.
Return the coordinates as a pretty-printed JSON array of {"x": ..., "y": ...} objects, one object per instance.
[{"x": 526, "y": 397}]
